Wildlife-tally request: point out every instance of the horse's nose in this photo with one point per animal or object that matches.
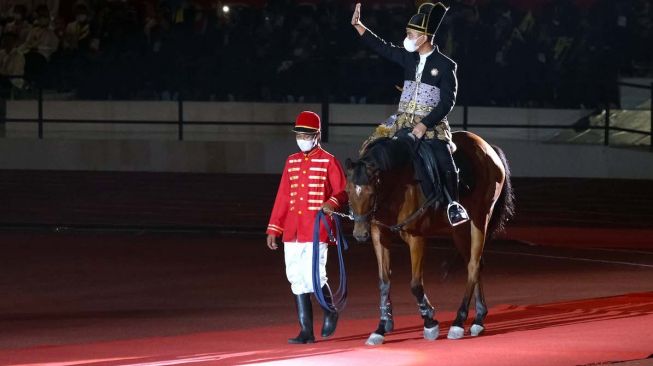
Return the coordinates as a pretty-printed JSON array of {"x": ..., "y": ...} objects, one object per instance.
[{"x": 361, "y": 238}]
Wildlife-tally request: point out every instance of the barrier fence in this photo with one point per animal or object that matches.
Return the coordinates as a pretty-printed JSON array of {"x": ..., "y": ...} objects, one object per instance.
[{"x": 181, "y": 123}]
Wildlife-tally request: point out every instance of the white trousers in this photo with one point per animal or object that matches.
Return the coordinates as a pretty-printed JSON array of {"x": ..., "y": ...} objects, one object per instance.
[{"x": 299, "y": 266}]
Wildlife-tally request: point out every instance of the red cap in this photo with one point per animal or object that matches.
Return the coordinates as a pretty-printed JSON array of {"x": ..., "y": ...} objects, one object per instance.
[{"x": 307, "y": 122}]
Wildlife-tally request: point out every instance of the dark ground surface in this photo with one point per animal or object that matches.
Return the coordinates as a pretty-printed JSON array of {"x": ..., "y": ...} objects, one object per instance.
[
  {"x": 65, "y": 295},
  {"x": 96, "y": 297},
  {"x": 244, "y": 202}
]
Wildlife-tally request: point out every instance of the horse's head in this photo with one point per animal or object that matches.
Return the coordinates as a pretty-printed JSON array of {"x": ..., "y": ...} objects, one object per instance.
[{"x": 362, "y": 185}]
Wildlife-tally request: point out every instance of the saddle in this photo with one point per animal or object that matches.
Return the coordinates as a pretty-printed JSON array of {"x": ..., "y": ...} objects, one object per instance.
[
  {"x": 425, "y": 166},
  {"x": 421, "y": 154},
  {"x": 429, "y": 174}
]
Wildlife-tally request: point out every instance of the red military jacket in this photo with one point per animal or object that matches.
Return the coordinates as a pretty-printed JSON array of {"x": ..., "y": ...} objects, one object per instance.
[{"x": 308, "y": 180}]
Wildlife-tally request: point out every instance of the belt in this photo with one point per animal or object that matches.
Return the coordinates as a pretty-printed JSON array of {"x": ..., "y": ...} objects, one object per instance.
[{"x": 414, "y": 108}]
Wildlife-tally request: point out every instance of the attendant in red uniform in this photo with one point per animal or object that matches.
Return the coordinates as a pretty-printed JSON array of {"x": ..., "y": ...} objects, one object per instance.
[{"x": 312, "y": 180}]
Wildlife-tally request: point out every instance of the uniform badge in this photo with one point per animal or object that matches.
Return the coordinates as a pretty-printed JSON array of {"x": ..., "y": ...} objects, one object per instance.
[{"x": 434, "y": 72}]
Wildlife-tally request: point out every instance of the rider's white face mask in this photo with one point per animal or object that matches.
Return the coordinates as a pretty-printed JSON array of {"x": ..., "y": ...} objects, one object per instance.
[
  {"x": 411, "y": 44},
  {"x": 306, "y": 145}
]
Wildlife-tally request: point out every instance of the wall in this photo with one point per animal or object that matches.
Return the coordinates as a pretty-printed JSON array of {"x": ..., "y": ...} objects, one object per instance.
[{"x": 243, "y": 148}]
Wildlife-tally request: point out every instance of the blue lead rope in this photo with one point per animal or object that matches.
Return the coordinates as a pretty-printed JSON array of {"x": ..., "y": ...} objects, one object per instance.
[{"x": 339, "y": 298}]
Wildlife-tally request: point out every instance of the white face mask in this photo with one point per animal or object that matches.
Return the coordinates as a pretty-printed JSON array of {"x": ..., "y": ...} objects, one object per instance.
[
  {"x": 306, "y": 145},
  {"x": 411, "y": 45}
]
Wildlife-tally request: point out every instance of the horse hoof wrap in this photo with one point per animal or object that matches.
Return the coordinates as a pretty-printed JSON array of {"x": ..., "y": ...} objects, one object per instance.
[
  {"x": 455, "y": 332},
  {"x": 389, "y": 325},
  {"x": 431, "y": 334},
  {"x": 374, "y": 339},
  {"x": 476, "y": 330}
]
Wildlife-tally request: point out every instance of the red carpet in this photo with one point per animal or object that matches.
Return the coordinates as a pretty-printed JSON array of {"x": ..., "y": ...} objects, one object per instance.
[
  {"x": 583, "y": 332},
  {"x": 190, "y": 299}
]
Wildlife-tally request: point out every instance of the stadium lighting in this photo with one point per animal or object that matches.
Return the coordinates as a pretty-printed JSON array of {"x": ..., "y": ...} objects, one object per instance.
[{"x": 225, "y": 9}]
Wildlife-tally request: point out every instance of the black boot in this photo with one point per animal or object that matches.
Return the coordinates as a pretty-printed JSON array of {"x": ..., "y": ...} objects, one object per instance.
[
  {"x": 330, "y": 317},
  {"x": 305, "y": 315},
  {"x": 455, "y": 211}
]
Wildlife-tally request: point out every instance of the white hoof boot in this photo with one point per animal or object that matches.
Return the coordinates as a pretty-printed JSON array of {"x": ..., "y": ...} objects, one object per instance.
[
  {"x": 455, "y": 332},
  {"x": 431, "y": 334},
  {"x": 476, "y": 330},
  {"x": 374, "y": 339}
]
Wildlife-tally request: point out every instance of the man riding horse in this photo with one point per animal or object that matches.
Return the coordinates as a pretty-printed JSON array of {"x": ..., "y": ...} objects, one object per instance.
[{"x": 429, "y": 94}]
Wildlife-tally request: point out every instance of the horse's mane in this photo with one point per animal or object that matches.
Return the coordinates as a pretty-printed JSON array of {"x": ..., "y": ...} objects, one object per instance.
[{"x": 382, "y": 155}]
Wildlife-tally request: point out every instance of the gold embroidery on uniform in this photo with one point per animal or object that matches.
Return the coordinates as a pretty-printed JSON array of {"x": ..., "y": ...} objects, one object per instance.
[{"x": 413, "y": 107}]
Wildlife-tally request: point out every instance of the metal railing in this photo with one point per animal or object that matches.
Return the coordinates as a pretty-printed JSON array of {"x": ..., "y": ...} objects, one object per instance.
[{"x": 180, "y": 122}]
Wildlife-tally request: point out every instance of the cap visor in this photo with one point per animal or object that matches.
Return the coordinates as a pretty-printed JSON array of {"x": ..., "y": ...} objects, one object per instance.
[{"x": 304, "y": 130}]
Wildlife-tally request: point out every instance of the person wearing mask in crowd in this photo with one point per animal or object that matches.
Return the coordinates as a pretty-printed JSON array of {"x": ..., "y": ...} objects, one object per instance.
[{"x": 41, "y": 38}]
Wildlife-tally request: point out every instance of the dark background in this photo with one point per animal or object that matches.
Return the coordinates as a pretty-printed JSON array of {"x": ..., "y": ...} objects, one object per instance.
[{"x": 546, "y": 53}]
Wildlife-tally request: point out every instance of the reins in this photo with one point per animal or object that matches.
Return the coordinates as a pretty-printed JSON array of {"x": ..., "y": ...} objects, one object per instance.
[{"x": 339, "y": 298}]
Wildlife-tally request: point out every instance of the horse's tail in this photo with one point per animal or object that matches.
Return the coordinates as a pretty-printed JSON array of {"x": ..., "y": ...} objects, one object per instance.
[{"x": 504, "y": 208}]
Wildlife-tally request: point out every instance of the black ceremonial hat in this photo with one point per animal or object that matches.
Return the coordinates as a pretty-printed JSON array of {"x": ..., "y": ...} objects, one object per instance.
[{"x": 428, "y": 18}]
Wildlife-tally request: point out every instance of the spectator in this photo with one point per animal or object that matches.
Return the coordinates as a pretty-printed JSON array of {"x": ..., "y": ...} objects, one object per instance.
[
  {"x": 78, "y": 31},
  {"x": 550, "y": 54},
  {"x": 41, "y": 38},
  {"x": 12, "y": 62},
  {"x": 19, "y": 24}
]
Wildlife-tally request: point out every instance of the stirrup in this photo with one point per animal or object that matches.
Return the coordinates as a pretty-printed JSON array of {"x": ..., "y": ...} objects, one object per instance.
[{"x": 461, "y": 211}]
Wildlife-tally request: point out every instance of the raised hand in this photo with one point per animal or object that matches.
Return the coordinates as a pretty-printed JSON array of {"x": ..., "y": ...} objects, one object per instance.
[{"x": 356, "y": 19}]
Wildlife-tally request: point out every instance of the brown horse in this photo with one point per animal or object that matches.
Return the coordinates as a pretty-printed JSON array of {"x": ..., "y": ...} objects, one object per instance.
[{"x": 384, "y": 196}]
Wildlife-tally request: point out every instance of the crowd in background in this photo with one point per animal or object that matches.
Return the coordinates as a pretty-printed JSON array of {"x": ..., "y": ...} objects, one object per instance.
[{"x": 561, "y": 54}]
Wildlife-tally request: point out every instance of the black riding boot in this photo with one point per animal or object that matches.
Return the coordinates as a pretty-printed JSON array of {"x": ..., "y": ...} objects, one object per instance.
[
  {"x": 455, "y": 211},
  {"x": 330, "y": 317},
  {"x": 305, "y": 315}
]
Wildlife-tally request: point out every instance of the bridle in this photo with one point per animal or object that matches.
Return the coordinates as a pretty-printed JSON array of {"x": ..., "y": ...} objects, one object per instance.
[
  {"x": 364, "y": 217},
  {"x": 394, "y": 228}
]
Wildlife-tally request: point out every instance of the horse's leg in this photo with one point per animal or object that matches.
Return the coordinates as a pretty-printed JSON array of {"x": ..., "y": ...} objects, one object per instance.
[
  {"x": 426, "y": 310},
  {"x": 381, "y": 245},
  {"x": 481, "y": 308},
  {"x": 476, "y": 243}
]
